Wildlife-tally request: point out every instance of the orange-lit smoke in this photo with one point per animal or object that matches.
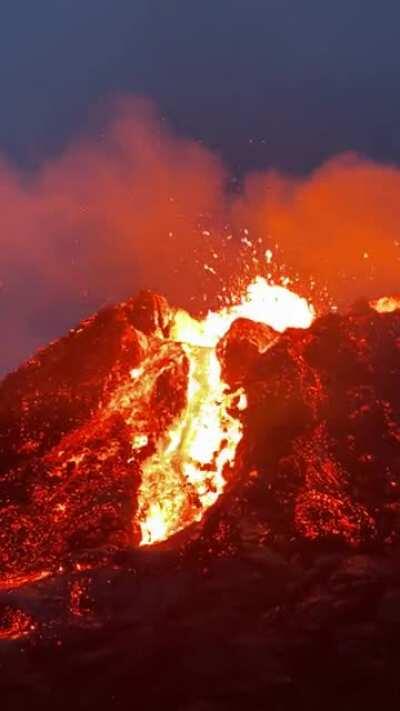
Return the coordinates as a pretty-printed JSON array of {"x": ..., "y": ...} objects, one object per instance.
[
  {"x": 133, "y": 206},
  {"x": 341, "y": 225},
  {"x": 114, "y": 213}
]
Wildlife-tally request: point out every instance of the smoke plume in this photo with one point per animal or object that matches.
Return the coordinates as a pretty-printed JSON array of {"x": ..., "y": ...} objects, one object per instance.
[
  {"x": 136, "y": 206},
  {"x": 340, "y": 225}
]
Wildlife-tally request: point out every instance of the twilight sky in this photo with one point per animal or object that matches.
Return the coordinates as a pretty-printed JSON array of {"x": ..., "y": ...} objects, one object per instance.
[
  {"x": 263, "y": 85},
  {"x": 301, "y": 80}
]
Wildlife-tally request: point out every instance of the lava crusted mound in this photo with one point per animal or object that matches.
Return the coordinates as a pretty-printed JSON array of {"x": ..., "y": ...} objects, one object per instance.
[
  {"x": 317, "y": 464},
  {"x": 281, "y": 585}
]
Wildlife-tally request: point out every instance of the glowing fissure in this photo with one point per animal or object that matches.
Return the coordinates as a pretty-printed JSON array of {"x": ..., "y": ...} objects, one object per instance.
[{"x": 187, "y": 472}]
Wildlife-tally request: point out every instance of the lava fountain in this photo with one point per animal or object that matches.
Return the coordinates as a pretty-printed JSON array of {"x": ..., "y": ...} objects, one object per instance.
[{"x": 187, "y": 472}]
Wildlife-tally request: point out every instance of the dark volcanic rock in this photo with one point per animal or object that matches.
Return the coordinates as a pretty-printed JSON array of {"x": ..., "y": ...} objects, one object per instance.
[
  {"x": 150, "y": 313},
  {"x": 322, "y": 435},
  {"x": 241, "y": 347},
  {"x": 236, "y": 635}
]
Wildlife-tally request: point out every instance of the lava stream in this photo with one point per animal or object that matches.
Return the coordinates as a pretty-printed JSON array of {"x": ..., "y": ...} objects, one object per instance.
[{"x": 186, "y": 473}]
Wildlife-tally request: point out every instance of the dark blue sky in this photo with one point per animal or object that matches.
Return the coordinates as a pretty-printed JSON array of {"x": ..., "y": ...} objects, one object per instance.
[{"x": 265, "y": 82}]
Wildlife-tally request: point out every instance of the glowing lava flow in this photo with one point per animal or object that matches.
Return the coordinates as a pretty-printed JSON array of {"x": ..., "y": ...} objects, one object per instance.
[
  {"x": 185, "y": 475},
  {"x": 272, "y": 305},
  {"x": 386, "y": 304}
]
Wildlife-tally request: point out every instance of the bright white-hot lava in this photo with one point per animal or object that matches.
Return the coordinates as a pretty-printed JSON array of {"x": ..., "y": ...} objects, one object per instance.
[
  {"x": 272, "y": 305},
  {"x": 186, "y": 474}
]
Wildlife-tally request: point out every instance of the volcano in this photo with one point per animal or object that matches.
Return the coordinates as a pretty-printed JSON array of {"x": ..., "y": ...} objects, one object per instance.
[{"x": 204, "y": 513}]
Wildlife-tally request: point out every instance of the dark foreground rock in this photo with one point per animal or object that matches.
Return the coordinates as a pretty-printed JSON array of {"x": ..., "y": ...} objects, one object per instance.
[{"x": 255, "y": 632}]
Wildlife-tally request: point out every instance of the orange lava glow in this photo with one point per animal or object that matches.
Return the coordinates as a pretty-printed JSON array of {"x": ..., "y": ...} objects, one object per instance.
[
  {"x": 386, "y": 304},
  {"x": 12, "y": 582},
  {"x": 15, "y": 624},
  {"x": 187, "y": 472}
]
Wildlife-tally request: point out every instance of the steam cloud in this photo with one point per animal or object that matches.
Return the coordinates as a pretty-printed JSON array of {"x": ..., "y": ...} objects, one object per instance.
[{"x": 128, "y": 208}]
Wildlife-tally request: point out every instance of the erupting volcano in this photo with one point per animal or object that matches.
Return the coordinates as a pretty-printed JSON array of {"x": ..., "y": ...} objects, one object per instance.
[
  {"x": 251, "y": 453},
  {"x": 130, "y": 429},
  {"x": 166, "y": 430},
  {"x": 186, "y": 474}
]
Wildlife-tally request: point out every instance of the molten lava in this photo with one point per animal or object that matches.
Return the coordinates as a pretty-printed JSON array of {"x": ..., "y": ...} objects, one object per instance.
[
  {"x": 187, "y": 472},
  {"x": 386, "y": 304}
]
